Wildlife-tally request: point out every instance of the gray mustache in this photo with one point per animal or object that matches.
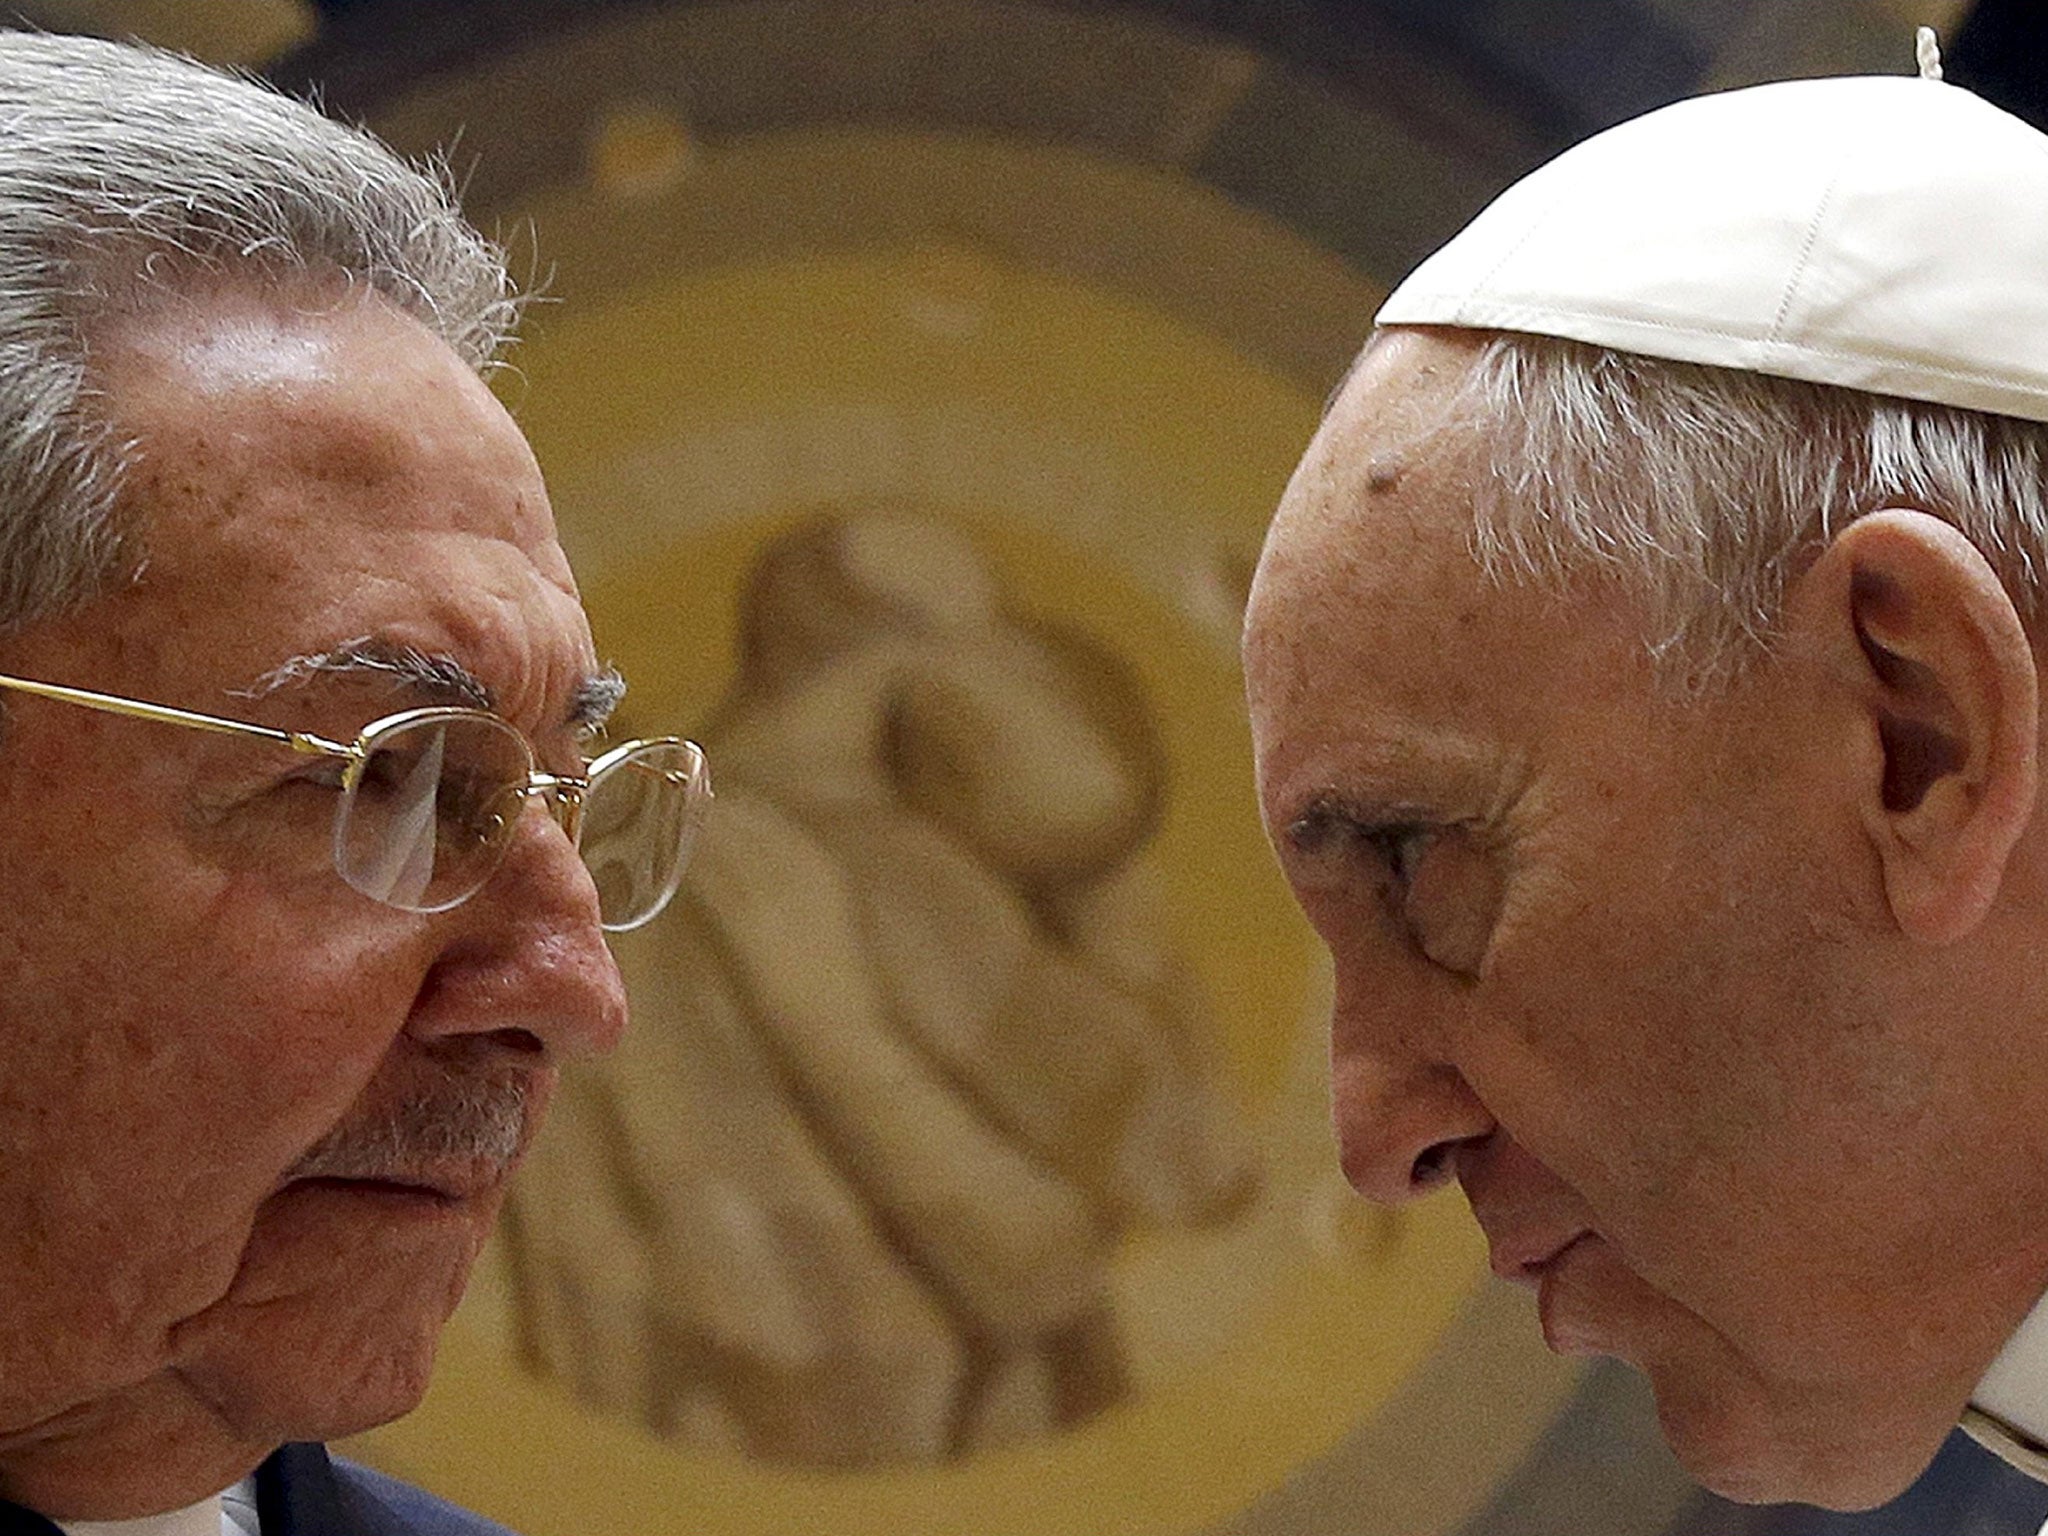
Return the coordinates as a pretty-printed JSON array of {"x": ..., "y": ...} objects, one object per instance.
[{"x": 477, "y": 1120}]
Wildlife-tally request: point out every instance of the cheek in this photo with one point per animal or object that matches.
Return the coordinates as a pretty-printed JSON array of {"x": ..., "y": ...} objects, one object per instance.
[
  {"x": 1668, "y": 1012},
  {"x": 307, "y": 997},
  {"x": 213, "y": 1021},
  {"x": 1618, "y": 1022},
  {"x": 167, "y": 1062}
]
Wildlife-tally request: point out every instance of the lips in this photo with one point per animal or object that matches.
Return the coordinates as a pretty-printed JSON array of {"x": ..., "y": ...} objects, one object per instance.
[
  {"x": 1567, "y": 1329},
  {"x": 450, "y": 1185},
  {"x": 389, "y": 1195},
  {"x": 1525, "y": 1257}
]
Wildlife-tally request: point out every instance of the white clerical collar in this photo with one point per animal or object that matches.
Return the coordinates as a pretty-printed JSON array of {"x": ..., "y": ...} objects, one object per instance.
[
  {"x": 232, "y": 1513},
  {"x": 201, "y": 1519},
  {"x": 2008, "y": 1413}
]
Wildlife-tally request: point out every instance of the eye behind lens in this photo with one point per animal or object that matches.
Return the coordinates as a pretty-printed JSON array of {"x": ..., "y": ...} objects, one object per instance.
[{"x": 431, "y": 809}]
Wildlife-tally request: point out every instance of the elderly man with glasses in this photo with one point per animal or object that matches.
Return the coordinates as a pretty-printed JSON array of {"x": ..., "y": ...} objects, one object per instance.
[{"x": 307, "y": 842}]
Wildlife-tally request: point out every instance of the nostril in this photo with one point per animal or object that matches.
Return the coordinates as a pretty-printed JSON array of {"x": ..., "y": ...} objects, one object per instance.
[
  {"x": 1431, "y": 1168},
  {"x": 523, "y": 1041}
]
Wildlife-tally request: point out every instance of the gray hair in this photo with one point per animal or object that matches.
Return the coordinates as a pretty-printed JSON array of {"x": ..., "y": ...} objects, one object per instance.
[
  {"x": 124, "y": 171},
  {"x": 1706, "y": 491}
]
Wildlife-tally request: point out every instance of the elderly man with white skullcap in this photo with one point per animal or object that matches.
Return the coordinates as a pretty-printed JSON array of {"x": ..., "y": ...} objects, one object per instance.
[{"x": 1645, "y": 673}]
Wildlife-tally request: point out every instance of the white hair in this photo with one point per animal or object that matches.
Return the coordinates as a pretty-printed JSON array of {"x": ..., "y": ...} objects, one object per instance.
[
  {"x": 1706, "y": 491},
  {"x": 125, "y": 171}
]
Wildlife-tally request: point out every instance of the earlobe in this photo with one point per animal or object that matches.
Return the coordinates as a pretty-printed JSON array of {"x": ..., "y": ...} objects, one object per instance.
[{"x": 1949, "y": 688}]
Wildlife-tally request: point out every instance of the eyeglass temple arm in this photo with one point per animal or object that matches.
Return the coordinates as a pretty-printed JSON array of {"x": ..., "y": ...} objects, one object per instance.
[{"x": 299, "y": 741}]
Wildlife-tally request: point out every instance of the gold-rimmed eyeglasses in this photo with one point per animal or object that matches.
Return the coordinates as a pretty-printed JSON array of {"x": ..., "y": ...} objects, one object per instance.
[{"x": 429, "y": 800}]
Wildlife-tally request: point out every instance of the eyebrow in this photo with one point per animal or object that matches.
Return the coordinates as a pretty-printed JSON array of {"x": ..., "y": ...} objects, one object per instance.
[
  {"x": 434, "y": 676},
  {"x": 595, "y": 699},
  {"x": 1468, "y": 784}
]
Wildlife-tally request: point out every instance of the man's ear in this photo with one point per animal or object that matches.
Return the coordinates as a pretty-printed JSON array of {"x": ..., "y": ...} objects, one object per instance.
[{"x": 1945, "y": 676}]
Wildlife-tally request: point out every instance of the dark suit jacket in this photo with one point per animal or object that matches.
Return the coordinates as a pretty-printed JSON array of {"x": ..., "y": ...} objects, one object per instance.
[{"x": 301, "y": 1492}]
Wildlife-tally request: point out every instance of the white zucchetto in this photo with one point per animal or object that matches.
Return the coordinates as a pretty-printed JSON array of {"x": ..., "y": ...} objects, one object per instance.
[{"x": 1883, "y": 233}]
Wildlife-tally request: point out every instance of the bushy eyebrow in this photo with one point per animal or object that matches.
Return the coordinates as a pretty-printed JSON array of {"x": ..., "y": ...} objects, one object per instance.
[
  {"x": 1467, "y": 784},
  {"x": 596, "y": 697},
  {"x": 436, "y": 678},
  {"x": 433, "y": 676}
]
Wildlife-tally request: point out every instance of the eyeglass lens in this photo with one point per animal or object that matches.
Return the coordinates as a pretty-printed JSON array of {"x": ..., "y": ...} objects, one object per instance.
[
  {"x": 433, "y": 804},
  {"x": 429, "y": 810},
  {"x": 639, "y": 818}
]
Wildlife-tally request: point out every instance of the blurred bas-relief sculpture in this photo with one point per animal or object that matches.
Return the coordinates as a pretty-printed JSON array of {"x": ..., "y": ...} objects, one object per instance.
[{"x": 911, "y": 1054}]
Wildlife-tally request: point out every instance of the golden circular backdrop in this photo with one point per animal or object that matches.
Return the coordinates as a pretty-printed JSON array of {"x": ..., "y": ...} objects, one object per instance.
[
  {"x": 1111, "y": 466},
  {"x": 683, "y": 424}
]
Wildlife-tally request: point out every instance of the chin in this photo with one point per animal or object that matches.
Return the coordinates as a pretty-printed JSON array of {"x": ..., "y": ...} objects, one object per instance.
[
  {"x": 1735, "y": 1446},
  {"x": 325, "y": 1394},
  {"x": 328, "y": 1361},
  {"x": 374, "y": 1398}
]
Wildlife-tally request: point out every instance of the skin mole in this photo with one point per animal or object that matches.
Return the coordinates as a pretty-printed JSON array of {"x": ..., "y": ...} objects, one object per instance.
[{"x": 1383, "y": 473}]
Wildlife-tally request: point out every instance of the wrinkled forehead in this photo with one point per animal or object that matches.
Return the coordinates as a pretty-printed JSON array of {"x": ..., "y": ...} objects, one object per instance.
[
  {"x": 335, "y": 390},
  {"x": 330, "y": 473}
]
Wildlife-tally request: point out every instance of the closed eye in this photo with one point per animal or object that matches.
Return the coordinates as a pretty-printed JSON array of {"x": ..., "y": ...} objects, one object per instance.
[
  {"x": 1333, "y": 841},
  {"x": 1424, "y": 878}
]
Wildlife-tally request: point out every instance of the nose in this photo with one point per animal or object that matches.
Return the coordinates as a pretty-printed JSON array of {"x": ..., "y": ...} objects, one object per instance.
[
  {"x": 1400, "y": 1107},
  {"x": 525, "y": 965},
  {"x": 1399, "y": 1125}
]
